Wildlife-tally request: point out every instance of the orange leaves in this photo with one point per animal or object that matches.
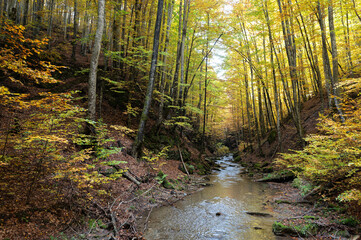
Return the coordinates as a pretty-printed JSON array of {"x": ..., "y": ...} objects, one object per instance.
[{"x": 20, "y": 56}]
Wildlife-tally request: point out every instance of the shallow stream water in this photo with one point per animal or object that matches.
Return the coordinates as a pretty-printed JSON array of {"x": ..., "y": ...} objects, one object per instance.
[{"x": 217, "y": 212}]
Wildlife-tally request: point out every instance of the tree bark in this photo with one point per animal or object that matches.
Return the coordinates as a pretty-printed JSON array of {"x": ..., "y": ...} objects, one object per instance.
[
  {"x": 137, "y": 147},
  {"x": 289, "y": 39},
  {"x": 75, "y": 30},
  {"x": 26, "y": 12},
  {"x": 275, "y": 89},
  {"x": 174, "y": 89},
  {"x": 165, "y": 68},
  {"x": 50, "y": 26},
  {"x": 334, "y": 83},
  {"x": 94, "y": 62},
  {"x": 184, "y": 34}
]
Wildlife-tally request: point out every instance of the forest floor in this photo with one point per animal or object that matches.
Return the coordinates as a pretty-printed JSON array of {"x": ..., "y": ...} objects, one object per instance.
[
  {"x": 305, "y": 213},
  {"x": 112, "y": 216}
]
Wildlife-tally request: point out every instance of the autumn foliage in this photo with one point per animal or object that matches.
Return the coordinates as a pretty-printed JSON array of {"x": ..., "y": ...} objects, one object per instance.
[
  {"x": 45, "y": 158},
  {"x": 332, "y": 160}
]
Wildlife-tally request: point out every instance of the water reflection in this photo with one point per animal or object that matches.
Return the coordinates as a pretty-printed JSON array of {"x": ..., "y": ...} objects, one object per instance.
[{"x": 217, "y": 212}]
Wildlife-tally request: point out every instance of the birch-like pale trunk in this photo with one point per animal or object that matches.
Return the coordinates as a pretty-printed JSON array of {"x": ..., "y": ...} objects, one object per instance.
[{"x": 94, "y": 62}]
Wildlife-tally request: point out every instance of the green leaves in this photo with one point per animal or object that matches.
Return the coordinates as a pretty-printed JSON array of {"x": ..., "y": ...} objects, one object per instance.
[{"x": 332, "y": 158}]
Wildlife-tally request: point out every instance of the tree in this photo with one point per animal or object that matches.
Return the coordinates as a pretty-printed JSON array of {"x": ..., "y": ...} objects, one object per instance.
[
  {"x": 94, "y": 62},
  {"x": 138, "y": 144}
]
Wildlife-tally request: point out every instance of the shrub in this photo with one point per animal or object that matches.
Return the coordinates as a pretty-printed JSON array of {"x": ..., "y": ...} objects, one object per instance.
[{"x": 332, "y": 159}]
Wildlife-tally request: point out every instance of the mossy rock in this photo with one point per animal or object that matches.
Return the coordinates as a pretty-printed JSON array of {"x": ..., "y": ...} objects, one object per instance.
[
  {"x": 283, "y": 202},
  {"x": 267, "y": 169},
  {"x": 203, "y": 169},
  {"x": 174, "y": 155},
  {"x": 279, "y": 176},
  {"x": 166, "y": 184},
  {"x": 257, "y": 166},
  {"x": 350, "y": 222},
  {"x": 189, "y": 167},
  {"x": 236, "y": 154},
  {"x": 237, "y": 158},
  {"x": 305, "y": 229},
  {"x": 342, "y": 234},
  {"x": 311, "y": 217},
  {"x": 272, "y": 136},
  {"x": 243, "y": 164}
]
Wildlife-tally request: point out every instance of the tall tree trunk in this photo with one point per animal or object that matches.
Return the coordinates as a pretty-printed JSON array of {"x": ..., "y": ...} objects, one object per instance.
[
  {"x": 1, "y": 8},
  {"x": 66, "y": 13},
  {"x": 26, "y": 12},
  {"x": 85, "y": 32},
  {"x": 346, "y": 35},
  {"x": 122, "y": 48},
  {"x": 165, "y": 60},
  {"x": 137, "y": 147},
  {"x": 311, "y": 57},
  {"x": 75, "y": 30},
  {"x": 184, "y": 34},
  {"x": 94, "y": 61},
  {"x": 205, "y": 95},
  {"x": 275, "y": 88},
  {"x": 174, "y": 89},
  {"x": 50, "y": 26},
  {"x": 116, "y": 33},
  {"x": 334, "y": 83},
  {"x": 289, "y": 39},
  {"x": 325, "y": 58}
]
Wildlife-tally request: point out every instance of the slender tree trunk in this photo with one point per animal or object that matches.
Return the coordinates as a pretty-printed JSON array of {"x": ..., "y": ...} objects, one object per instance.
[
  {"x": 325, "y": 58},
  {"x": 75, "y": 30},
  {"x": 85, "y": 32},
  {"x": 334, "y": 83},
  {"x": 275, "y": 89},
  {"x": 117, "y": 33},
  {"x": 174, "y": 90},
  {"x": 184, "y": 35},
  {"x": 94, "y": 62},
  {"x": 137, "y": 147},
  {"x": 1, "y": 8},
  {"x": 66, "y": 10},
  {"x": 188, "y": 67},
  {"x": 122, "y": 47},
  {"x": 289, "y": 39},
  {"x": 26, "y": 12},
  {"x": 50, "y": 26},
  {"x": 205, "y": 95},
  {"x": 150, "y": 24},
  {"x": 354, "y": 6},
  {"x": 165, "y": 68},
  {"x": 346, "y": 35},
  {"x": 311, "y": 57}
]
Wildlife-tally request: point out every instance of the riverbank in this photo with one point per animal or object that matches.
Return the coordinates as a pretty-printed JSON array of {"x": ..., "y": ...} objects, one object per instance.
[
  {"x": 304, "y": 213},
  {"x": 110, "y": 209}
]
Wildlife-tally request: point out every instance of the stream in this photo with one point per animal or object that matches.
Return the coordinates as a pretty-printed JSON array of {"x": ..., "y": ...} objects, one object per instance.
[{"x": 218, "y": 211}]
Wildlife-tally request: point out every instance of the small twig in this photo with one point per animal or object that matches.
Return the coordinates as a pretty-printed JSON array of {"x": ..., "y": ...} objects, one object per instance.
[
  {"x": 131, "y": 200},
  {"x": 6, "y": 141},
  {"x": 275, "y": 152},
  {"x": 146, "y": 220},
  {"x": 114, "y": 223},
  {"x": 184, "y": 165}
]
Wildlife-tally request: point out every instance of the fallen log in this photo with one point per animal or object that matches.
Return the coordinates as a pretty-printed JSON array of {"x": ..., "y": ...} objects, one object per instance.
[
  {"x": 128, "y": 176},
  {"x": 259, "y": 214}
]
